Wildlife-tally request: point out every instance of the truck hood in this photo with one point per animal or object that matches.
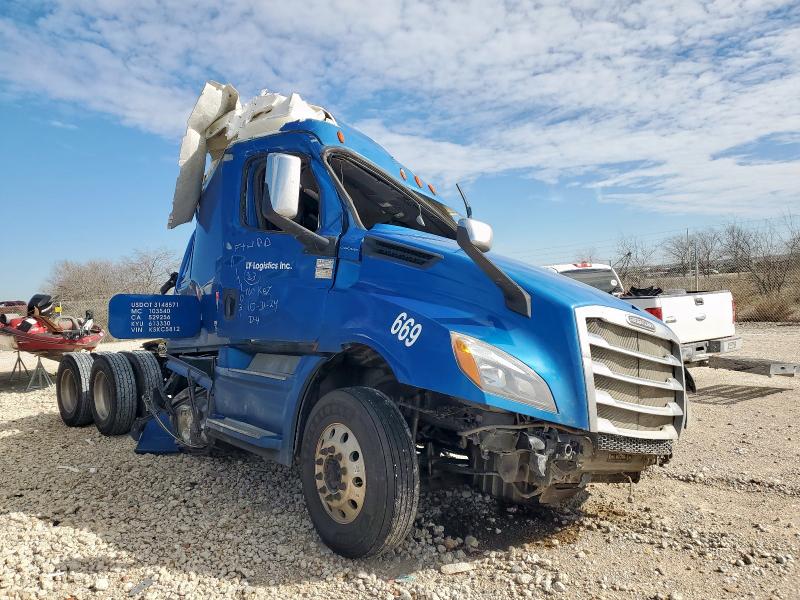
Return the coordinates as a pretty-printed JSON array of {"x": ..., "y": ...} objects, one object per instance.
[{"x": 542, "y": 283}]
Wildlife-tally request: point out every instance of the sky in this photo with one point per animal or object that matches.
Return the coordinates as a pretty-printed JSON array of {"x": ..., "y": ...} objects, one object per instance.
[{"x": 569, "y": 124}]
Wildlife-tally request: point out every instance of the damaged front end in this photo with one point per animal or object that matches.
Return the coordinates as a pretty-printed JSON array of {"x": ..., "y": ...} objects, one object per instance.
[{"x": 550, "y": 465}]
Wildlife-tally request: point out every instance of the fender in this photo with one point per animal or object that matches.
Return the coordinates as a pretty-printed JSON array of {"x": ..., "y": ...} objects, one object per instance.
[
  {"x": 411, "y": 335},
  {"x": 293, "y": 425}
]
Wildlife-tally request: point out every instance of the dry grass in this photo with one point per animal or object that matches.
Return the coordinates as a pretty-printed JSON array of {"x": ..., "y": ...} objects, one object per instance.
[{"x": 776, "y": 310}]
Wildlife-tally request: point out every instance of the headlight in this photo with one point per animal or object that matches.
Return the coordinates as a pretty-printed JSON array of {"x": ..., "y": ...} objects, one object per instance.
[{"x": 499, "y": 373}]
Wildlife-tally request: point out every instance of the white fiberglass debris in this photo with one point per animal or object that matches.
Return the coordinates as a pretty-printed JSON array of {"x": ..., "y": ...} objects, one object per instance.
[
  {"x": 217, "y": 121},
  {"x": 269, "y": 112},
  {"x": 215, "y": 100}
]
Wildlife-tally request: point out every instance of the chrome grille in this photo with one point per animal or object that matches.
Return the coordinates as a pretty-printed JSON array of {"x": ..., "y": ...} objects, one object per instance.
[{"x": 634, "y": 377}]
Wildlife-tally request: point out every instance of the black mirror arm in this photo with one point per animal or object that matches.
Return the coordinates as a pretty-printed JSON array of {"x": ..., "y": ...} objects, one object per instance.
[
  {"x": 313, "y": 242},
  {"x": 516, "y": 298}
]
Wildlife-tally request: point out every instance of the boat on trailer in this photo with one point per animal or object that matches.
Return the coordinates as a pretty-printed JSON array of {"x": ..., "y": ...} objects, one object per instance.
[{"x": 45, "y": 334}]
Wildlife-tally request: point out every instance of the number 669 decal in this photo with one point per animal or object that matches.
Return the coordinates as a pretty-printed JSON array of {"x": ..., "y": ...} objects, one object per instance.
[{"x": 406, "y": 329}]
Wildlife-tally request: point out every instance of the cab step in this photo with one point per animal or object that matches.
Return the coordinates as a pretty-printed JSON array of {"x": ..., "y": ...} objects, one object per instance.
[{"x": 244, "y": 435}]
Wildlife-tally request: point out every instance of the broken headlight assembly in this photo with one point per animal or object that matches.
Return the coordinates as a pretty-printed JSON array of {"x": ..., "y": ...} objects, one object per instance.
[{"x": 499, "y": 373}]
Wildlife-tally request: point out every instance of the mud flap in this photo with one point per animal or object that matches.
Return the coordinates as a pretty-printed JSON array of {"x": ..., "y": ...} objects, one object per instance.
[
  {"x": 152, "y": 437},
  {"x": 691, "y": 386}
]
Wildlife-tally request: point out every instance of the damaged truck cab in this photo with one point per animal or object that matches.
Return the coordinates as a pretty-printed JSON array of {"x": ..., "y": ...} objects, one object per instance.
[{"x": 351, "y": 322}]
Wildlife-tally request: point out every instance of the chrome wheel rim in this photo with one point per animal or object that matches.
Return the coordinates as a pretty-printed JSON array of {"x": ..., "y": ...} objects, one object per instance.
[
  {"x": 340, "y": 473},
  {"x": 102, "y": 395},
  {"x": 69, "y": 390}
]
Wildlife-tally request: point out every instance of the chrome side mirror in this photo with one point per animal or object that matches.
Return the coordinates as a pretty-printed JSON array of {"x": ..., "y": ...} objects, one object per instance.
[
  {"x": 282, "y": 185},
  {"x": 480, "y": 233}
]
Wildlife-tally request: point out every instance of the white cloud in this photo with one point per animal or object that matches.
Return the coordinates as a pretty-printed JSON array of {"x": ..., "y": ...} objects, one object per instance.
[
  {"x": 62, "y": 124},
  {"x": 634, "y": 99}
]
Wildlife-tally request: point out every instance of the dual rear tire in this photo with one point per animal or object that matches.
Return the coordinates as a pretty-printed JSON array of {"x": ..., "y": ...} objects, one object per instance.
[
  {"x": 112, "y": 387},
  {"x": 147, "y": 374},
  {"x": 106, "y": 388},
  {"x": 72, "y": 389}
]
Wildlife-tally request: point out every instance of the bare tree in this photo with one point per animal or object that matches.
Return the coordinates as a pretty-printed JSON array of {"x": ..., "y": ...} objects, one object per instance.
[
  {"x": 87, "y": 280},
  {"x": 708, "y": 245},
  {"x": 82, "y": 286},
  {"x": 769, "y": 254},
  {"x": 634, "y": 258},
  {"x": 147, "y": 270},
  {"x": 736, "y": 248},
  {"x": 679, "y": 250}
]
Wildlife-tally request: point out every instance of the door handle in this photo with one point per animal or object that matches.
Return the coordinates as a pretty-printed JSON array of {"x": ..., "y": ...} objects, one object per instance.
[
  {"x": 230, "y": 299},
  {"x": 700, "y": 317}
]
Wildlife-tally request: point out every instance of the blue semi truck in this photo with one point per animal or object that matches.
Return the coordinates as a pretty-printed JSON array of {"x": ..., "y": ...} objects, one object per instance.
[{"x": 331, "y": 311}]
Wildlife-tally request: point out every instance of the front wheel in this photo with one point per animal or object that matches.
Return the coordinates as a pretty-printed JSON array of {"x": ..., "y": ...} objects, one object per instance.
[{"x": 359, "y": 471}]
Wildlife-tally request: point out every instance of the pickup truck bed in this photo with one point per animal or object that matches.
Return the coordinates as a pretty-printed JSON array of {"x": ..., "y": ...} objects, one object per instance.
[{"x": 703, "y": 321}]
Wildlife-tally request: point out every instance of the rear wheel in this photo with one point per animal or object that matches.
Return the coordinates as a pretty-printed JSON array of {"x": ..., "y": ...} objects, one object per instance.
[
  {"x": 147, "y": 374},
  {"x": 72, "y": 389},
  {"x": 359, "y": 471},
  {"x": 113, "y": 391}
]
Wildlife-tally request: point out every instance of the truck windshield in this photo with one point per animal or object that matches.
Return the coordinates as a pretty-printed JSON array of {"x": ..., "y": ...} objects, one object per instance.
[
  {"x": 602, "y": 279},
  {"x": 378, "y": 200}
]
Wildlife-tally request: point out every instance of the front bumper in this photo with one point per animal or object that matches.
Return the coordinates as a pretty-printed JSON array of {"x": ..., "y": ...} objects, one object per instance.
[{"x": 552, "y": 465}]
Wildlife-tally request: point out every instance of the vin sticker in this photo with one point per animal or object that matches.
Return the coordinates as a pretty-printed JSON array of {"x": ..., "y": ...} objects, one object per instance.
[{"x": 324, "y": 269}]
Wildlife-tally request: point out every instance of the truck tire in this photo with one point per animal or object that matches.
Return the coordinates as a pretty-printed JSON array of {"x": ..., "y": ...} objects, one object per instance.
[
  {"x": 113, "y": 391},
  {"x": 147, "y": 374},
  {"x": 72, "y": 389},
  {"x": 359, "y": 471}
]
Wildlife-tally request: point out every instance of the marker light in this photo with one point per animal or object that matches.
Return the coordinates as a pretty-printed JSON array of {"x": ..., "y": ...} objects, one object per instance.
[
  {"x": 403, "y": 174},
  {"x": 499, "y": 373},
  {"x": 432, "y": 189},
  {"x": 340, "y": 135},
  {"x": 582, "y": 265},
  {"x": 418, "y": 180}
]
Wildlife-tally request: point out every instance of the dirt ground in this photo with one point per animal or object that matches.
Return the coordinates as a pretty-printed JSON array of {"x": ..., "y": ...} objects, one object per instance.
[{"x": 82, "y": 516}]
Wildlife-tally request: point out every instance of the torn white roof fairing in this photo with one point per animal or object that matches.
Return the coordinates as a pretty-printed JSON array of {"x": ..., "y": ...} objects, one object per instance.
[{"x": 218, "y": 120}]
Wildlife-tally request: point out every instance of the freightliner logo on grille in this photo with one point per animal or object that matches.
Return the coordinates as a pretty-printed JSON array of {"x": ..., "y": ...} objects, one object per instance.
[{"x": 641, "y": 323}]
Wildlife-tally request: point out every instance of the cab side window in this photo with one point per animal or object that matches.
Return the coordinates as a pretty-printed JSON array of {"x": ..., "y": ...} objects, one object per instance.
[{"x": 250, "y": 212}]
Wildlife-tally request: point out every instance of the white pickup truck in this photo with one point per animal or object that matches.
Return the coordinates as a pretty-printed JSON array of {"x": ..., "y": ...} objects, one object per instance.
[{"x": 705, "y": 322}]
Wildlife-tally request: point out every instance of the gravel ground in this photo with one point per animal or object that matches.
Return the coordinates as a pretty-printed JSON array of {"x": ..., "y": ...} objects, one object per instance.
[{"x": 82, "y": 516}]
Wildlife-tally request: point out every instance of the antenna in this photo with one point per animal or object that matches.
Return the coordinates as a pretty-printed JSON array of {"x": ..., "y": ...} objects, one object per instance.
[{"x": 466, "y": 202}]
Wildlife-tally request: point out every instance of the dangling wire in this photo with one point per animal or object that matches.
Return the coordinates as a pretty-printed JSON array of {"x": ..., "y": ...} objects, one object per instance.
[{"x": 420, "y": 220}]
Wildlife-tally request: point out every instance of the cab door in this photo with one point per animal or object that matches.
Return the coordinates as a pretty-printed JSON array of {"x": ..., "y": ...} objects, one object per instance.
[{"x": 273, "y": 290}]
